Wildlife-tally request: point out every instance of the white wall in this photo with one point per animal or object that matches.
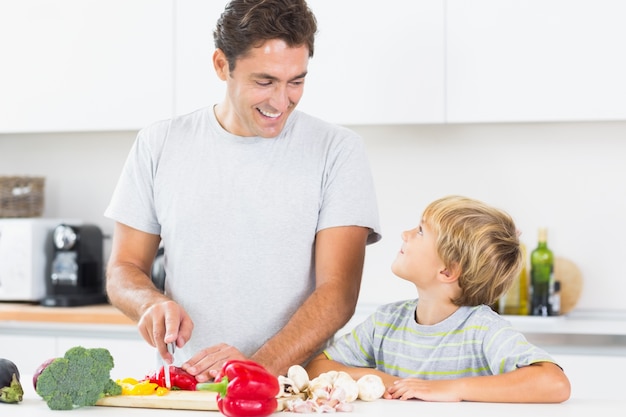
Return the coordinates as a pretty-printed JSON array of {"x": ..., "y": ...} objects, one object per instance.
[{"x": 569, "y": 177}]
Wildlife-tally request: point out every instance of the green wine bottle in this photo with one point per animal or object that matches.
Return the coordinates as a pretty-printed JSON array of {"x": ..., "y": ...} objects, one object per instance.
[{"x": 542, "y": 276}]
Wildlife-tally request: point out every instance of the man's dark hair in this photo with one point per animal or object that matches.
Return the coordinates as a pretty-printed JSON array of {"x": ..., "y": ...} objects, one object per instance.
[{"x": 247, "y": 24}]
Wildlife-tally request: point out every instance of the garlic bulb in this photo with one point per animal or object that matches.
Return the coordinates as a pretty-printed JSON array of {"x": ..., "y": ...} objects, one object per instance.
[
  {"x": 350, "y": 388},
  {"x": 320, "y": 387}
]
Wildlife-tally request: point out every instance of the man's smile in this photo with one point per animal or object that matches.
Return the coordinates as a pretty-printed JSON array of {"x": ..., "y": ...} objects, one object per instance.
[{"x": 269, "y": 114}]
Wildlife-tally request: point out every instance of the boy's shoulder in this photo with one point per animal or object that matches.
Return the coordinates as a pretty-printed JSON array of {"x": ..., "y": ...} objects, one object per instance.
[
  {"x": 394, "y": 311},
  {"x": 483, "y": 315},
  {"x": 398, "y": 306}
]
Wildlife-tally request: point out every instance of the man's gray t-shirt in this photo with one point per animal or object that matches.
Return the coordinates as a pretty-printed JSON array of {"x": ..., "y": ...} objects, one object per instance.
[
  {"x": 238, "y": 216},
  {"x": 473, "y": 341}
]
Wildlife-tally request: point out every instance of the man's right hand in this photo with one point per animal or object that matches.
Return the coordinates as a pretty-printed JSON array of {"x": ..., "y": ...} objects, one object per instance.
[{"x": 165, "y": 322}]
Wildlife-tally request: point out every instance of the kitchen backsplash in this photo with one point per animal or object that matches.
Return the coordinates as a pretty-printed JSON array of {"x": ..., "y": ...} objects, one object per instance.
[{"x": 568, "y": 177}]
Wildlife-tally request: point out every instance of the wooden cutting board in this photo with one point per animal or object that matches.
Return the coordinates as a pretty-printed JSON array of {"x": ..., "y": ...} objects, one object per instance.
[
  {"x": 174, "y": 400},
  {"x": 571, "y": 279}
]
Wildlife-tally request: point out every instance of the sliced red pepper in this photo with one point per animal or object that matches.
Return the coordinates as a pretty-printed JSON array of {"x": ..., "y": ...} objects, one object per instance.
[
  {"x": 245, "y": 389},
  {"x": 181, "y": 379}
]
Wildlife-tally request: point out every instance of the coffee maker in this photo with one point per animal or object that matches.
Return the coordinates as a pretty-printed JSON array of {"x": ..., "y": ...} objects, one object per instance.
[{"x": 75, "y": 269}]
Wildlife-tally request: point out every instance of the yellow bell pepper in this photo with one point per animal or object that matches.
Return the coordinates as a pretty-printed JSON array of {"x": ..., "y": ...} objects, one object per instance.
[{"x": 131, "y": 386}]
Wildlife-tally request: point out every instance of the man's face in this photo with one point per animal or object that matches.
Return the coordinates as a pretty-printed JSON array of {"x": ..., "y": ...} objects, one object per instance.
[{"x": 263, "y": 90}]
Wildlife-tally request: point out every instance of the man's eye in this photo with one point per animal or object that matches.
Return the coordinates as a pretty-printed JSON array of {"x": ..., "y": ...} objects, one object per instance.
[{"x": 264, "y": 83}]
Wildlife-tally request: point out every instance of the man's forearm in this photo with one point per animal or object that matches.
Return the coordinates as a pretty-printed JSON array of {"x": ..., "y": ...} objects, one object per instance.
[
  {"x": 130, "y": 290},
  {"x": 317, "y": 320}
]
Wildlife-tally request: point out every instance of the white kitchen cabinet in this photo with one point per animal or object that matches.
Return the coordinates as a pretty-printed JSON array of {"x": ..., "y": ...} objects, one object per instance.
[
  {"x": 89, "y": 65},
  {"x": 377, "y": 62},
  {"x": 374, "y": 63},
  {"x": 132, "y": 358},
  {"x": 85, "y": 65},
  {"x": 196, "y": 83},
  {"x": 28, "y": 345},
  {"x": 27, "y": 351},
  {"x": 597, "y": 377},
  {"x": 535, "y": 60}
]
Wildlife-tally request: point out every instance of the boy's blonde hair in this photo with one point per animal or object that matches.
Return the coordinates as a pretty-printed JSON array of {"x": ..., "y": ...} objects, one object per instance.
[{"x": 480, "y": 242}]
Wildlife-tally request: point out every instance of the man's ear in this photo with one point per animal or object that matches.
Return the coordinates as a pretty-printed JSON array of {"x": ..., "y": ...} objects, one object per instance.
[
  {"x": 450, "y": 273},
  {"x": 220, "y": 63}
]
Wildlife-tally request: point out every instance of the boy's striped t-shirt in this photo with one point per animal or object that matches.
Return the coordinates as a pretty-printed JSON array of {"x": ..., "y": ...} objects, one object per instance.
[{"x": 472, "y": 341}]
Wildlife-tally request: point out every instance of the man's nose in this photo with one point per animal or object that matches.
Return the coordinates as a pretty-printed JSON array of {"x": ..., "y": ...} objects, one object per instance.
[{"x": 280, "y": 99}]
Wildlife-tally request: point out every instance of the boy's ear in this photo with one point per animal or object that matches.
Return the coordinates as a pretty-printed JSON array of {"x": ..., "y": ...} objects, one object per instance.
[{"x": 450, "y": 273}]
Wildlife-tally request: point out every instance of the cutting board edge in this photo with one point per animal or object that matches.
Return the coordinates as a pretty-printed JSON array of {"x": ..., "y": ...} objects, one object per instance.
[{"x": 169, "y": 402}]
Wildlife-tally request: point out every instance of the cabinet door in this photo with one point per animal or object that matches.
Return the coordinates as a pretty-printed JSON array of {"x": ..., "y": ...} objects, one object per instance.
[
  {"x": 70, "y": 65},
  {"x": 535, "y": 60},
  {"x": 375, "y": 62},
  {"x": 594, "y": 376},
  {"x": 133, "y": 358},
  {"x": 196, "y": 83},
  {"x": 27, "y": 352}
]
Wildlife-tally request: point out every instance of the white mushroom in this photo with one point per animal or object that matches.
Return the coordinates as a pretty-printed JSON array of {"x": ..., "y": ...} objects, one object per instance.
[
  {"x": 299, "y": 376},
  {"x": 371, "y": 387},
  {"x": 286, "y": 386}
]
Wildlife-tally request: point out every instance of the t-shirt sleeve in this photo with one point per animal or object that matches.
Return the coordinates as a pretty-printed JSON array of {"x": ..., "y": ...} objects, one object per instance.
[
  {"x": 132, "y": 202},
  {"x": 507, "y": 349},
  {"x": 349, "y": 197},
  {"x": 355, "y": 348}
]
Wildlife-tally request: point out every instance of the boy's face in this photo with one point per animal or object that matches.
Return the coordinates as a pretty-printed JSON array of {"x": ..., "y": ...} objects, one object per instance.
[
  {"x": 418, "y": 261},
  {"x": 263, "y": 89}
]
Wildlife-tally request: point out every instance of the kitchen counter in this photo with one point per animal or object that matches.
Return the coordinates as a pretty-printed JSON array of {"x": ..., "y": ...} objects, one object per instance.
[
  {"x": 596, "y": 380},
  {"x": 30, "y": 334},
  {"x": 95, "y": 314},
  {"x": 33, "y": 406},
  {"x": 590, "y": 347},
  {"x": 575, "y": 323}
]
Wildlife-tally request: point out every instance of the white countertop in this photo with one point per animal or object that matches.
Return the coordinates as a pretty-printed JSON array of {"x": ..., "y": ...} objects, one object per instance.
[
  {"x": 574, "y": 323},
  {"x": 33, "y": 406}
]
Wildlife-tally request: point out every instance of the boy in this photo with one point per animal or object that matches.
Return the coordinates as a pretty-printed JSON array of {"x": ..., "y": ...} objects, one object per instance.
[{"x": 448, "y": 345}]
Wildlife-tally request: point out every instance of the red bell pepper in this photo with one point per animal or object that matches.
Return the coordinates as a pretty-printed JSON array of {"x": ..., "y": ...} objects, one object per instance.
[
  {"x": 245, "y": 389},
  {"x": 181, "y": 379}
]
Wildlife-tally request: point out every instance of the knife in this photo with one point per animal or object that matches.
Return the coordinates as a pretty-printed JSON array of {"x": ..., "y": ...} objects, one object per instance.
[{"x": 166, "y": 368}]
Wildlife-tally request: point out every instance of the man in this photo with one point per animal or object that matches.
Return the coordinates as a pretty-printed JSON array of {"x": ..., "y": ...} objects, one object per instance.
[{"x": 264, "y": 212}]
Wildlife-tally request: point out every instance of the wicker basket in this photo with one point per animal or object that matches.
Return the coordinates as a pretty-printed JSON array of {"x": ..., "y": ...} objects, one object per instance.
[{"x": 21, "y": 196}]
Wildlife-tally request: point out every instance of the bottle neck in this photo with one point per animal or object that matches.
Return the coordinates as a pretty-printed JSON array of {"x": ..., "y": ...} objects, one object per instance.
[{"x": 542, "y": 238}]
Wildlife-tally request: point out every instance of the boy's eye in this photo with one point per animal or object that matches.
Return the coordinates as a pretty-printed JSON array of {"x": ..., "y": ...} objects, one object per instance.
[{"x": 420, "y": 231}]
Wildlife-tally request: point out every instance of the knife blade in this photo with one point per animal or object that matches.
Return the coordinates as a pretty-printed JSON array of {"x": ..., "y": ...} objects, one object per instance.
[{"x": 166, "y": 367}]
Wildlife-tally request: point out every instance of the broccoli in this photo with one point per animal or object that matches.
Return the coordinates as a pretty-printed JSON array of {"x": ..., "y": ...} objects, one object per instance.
[{"x": 78, "y": 379}]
